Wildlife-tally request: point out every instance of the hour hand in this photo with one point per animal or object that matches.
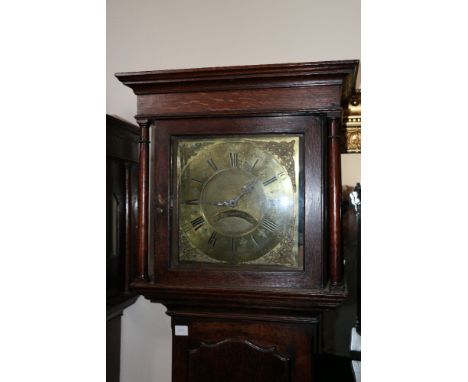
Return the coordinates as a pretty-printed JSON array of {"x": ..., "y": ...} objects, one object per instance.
[
  {"x": 246, "y": 188},
  {"x": 197, "y": 202}
]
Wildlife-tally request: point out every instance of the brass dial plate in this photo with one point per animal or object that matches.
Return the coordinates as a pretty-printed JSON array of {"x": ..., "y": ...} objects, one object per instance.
[{"x": 238, "y": 200}]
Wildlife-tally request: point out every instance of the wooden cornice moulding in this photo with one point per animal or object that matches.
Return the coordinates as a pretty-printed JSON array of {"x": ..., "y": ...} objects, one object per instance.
[
  {"x": 184, "y": 80},
  {"x": 255, "y": 88}
]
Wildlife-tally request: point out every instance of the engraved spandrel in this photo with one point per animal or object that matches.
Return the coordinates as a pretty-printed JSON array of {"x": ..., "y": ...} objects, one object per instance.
[
  {"x": 285, "y": 152},
  {"x": 189, "y": 253},
  {"x": 281, "y": 254},
  {"x": 189, "y": 150}
]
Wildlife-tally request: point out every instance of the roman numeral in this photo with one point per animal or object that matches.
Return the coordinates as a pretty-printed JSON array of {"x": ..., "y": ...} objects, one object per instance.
[
  {"x": 212, "y": 239},
  {"x": 254, "y": 240},
  {"x": 269, "y": 225},
  {"x": 233, "y": 245},
  {"x": 234, "y": 159},
  {"x": 253, "y": 166},
  {"x": 269, "y": 181},
  {"x": 212, "y": 164},
  {"x": 194, "y": 202},
  {"x": 198, "y": 222}
]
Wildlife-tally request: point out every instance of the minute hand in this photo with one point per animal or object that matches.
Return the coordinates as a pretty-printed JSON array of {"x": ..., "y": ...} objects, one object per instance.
[{"x": 247, "y": 188}]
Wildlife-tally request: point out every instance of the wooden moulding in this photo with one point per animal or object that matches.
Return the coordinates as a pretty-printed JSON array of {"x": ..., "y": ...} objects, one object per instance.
[
  {"x": 240, "y": 77},
  {"x": 242, "y": 89},
  {"x": 284, "y": 301}
]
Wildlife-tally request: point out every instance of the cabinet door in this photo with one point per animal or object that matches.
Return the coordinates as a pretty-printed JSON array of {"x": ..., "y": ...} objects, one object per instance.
[
  {"x": 244, "y": 351},
  {"x": 115, "y": 211}
]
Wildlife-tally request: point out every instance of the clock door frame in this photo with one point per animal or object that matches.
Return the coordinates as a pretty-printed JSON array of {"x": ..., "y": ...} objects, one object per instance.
[{"x": 312, "y": 128}]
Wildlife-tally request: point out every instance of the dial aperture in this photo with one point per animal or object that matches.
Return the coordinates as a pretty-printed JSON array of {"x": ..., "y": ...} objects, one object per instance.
[{"x": 243, "y": 207}]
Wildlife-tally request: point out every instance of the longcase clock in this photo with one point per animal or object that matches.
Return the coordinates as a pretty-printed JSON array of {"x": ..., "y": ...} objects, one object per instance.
[{"x": 239, "y": 230}]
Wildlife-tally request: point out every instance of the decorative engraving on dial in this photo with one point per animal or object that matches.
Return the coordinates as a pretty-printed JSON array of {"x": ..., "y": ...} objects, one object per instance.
[
  {"x": 281, "y": 254},
  {"x": 285, "y": 152},
  {"x": 189, "y": 253},
  {"x": 191, "y": 151},
  {"x": 237, "y": 201}
]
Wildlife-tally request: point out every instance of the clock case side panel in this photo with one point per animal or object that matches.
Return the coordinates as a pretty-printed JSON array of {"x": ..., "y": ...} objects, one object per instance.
[
  {"x": 180, "y": 279},
  {"x": 122, "y": 194}
]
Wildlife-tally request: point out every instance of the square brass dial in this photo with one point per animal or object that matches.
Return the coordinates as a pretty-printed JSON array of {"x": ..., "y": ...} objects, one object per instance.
[{"x": 239, "y": 200}]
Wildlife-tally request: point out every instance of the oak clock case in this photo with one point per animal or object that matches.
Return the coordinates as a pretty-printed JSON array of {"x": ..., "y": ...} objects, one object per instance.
[
  {"x": 227, "y": 220},
  {"x": 238, "y": 200},
  {"x": 239, "y": 231}
]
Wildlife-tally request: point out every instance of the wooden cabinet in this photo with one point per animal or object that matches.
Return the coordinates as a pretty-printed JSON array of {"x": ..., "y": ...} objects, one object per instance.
[
  {"x": 239, "y": 213},
  {"x": 121, "y": 214}
]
